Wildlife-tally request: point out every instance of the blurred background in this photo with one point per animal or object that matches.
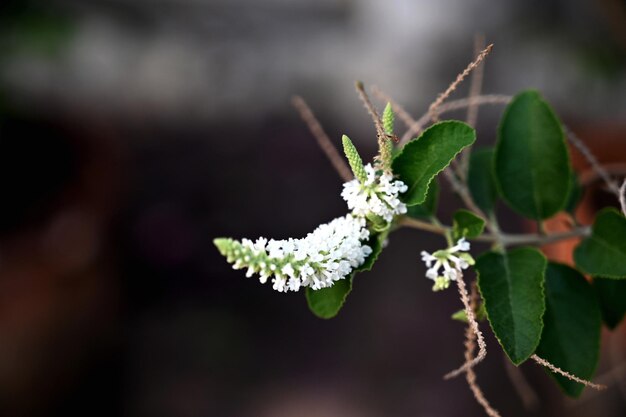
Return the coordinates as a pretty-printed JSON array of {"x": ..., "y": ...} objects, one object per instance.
[{"x": 133, "y": 132}]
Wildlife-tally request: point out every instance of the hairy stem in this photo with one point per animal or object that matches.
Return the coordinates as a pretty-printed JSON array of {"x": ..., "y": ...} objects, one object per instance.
[
  {"x": 432, "y": 110},
  {"x": 476, "y": 84},
  {"x": 473, "y": 324},
  {"x": 462, "y": 103},
  {"x": 506, "y": 239},
  {"x": 384, "y": 152},
  {"x": 595, "y": 165},
  {"x": 322, "y": 138},
  {"x": 567, "y": 375},
  {"x": 470, "y": 347}
]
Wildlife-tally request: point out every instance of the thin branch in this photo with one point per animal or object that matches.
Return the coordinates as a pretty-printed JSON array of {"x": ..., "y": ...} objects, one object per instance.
[
  {"x": 473, "y": 324},
  {"x": 432, "y": 110},
  {"x": 397, "y": 108},
  {"x": 567, "y": 375},
  {"x": 622, "y": 197},
  {"x": 590, "y": 176},
  {"x": 470, "y": 347},
  {"x": 529, "y": 397},
  {"x": 616, "y": 374},
  {"x": 463, "y": 191},
  {"x": 476, "y": 85},
  {"x": 507, "y": 239},
  {"x": 462, "y": 103},
  {"x": 584, "y": 150},
  {"x": 370, "y": 108},
  {"x": 476, "y": 81},
  {"x": 384, "y": 151},
  {"x": 322, "y": 138}
]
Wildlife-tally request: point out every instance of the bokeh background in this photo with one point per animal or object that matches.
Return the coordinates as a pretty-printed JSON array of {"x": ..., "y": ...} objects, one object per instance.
[{"x": 133, "y": 132}]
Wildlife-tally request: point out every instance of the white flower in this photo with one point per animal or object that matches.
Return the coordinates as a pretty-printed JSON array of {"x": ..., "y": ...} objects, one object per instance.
[
  {"x": 378, "y": 195},
  {"x": 452, "y": 260},
  {"x": 324, "y": 256}
]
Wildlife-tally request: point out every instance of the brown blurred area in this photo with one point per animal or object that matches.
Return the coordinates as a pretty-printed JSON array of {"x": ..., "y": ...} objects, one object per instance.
[{"x": 133, "y": 132}]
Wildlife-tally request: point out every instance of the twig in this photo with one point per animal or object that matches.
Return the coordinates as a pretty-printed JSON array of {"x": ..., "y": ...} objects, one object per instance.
[
  {"x": 397, "y": 108},
  {"x": 507, "y": 239},
  {"x": 614, "y": 375},
  {"x": 584, "y": 150},
  {"x": 470, "y": 347},
  {"x": 380, "y": 131},
  {"x": 476, "y": 84},
  {"x": 322, "y": 138},
  {"x": 590, "y": 176},
  {"x": 473, "y": 324},
  {"x": 522, "y": 387},
  {"x": 384, "y": 152},
  {"x": 462, "y": 103},
  {"x": 622, "y": 197},
  {"x": 567, "y": 375},
  {"x": 432, "y": 110}
]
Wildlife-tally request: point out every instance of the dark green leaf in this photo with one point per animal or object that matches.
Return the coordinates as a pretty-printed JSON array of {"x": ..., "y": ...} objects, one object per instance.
[
  {"x": 532, "y": 165},
  {"x": 511, "y": 285},
  {"x": 575, "y": 194},
  {"x": 466, "y": 224},
  {"x": 325, "y": 303},
  {"x": 604, "y": 252},
  {"x": 571, "y": 332},
  {"x": 376, "y": 243},
  {"x": 428, "y": 208},
  {"x": 481, "y": 180},
  {"x": 612, "y": 296},
  {"x": 423, "y": 158}
]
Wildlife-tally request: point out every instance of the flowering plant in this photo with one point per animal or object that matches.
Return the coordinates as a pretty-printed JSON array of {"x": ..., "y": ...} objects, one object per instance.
[{"x": 525, "y": 297}]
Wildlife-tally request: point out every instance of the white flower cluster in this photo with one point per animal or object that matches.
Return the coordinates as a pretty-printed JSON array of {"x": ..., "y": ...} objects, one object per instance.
[
  {"x": 451, "y": 260},
  {"x": 378, "y": 195},
  {"x": 324, "y": 256}
]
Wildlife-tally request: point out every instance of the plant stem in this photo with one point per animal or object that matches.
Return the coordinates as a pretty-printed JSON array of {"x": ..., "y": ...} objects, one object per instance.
[{"x": 505, "y": 239}]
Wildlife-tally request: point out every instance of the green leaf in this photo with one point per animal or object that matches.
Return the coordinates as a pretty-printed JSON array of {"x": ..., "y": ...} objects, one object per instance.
[
  {"x": 466, "y": 224},
  {"x": 354, "y": 159},
  {"x": 575, "y": 195},
  {"x": 572, "y": 322},
  {"x": 604, "y": 252},
  {"x": 611, "y": 294},
  {"x": 481, "y": 180},
  {"x": 388, "y": 119},
  {"x": 376, "y": 243},
  {"x": 461, "y": 315},
  {"x": 423, "y": 158},
  {"x": 511, "y": 285},
  {"x": 532, "y": 165},
  {"x": 428, "y": 208},
  {"x": 325, "y": 303}
]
